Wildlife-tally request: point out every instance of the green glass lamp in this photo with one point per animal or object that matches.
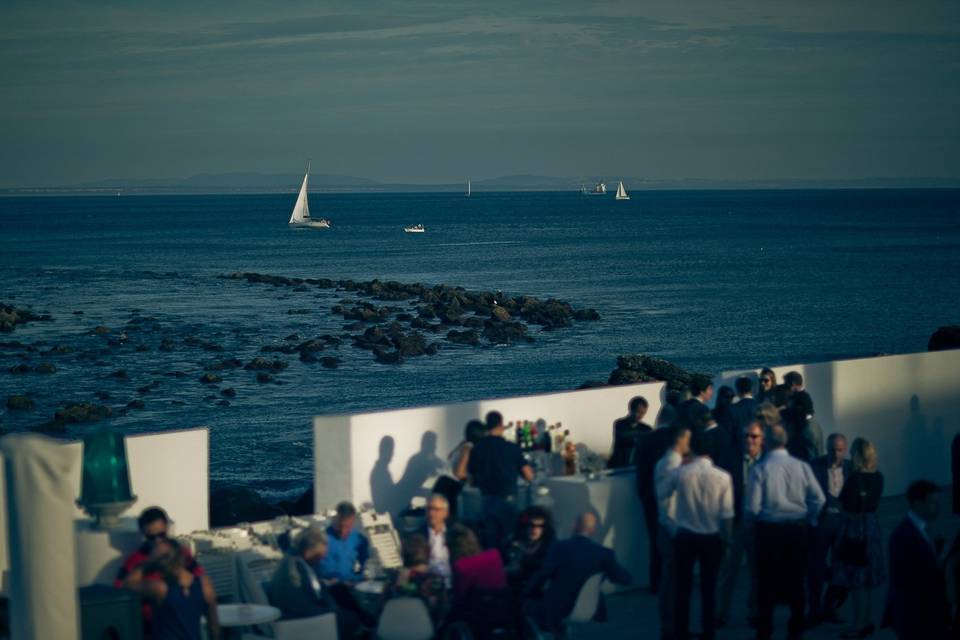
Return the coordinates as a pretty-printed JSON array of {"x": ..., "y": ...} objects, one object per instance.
[{"x": 105, "y": 489}]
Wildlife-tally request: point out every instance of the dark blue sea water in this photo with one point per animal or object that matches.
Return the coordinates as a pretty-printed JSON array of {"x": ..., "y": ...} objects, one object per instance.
[{"x": 710, "y": 280}]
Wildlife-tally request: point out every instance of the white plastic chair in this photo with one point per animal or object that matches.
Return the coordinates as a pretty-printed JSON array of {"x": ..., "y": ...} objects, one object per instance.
[
  {"x": 587, "y": 600},
  {"x": 316, "y": 628},
  {"x": 405, "y": 619}
]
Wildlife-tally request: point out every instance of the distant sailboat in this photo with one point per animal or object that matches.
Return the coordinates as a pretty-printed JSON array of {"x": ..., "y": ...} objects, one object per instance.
[
  {"x": 468, "y": 189},
  {"x": 301, "y": 210},
  {"x": 622, "y": 193},
  {"x": 415, "y": 228}
]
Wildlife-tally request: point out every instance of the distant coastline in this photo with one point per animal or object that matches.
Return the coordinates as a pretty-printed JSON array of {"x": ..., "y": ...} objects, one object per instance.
[{"x": 261, "y": 183}]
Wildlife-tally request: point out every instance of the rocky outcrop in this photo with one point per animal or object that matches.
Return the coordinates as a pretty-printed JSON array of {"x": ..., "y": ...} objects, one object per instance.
[
  {"x": 945, "y": 338},
  {"x": 231, "y": 504},
  {"x": 633, "y": 369},
  {"x": 81, "y": 412},
  {"x": 11, "y": 316}
]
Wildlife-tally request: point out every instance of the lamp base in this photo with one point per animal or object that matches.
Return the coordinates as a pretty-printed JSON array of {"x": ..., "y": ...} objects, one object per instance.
[{"x": 106, "y": 515}]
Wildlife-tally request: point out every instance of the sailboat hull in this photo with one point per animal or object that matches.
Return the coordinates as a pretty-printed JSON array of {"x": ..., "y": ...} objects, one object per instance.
[
  {"x": 311, "y": 224},
  {"x": 623, "y": 197}
]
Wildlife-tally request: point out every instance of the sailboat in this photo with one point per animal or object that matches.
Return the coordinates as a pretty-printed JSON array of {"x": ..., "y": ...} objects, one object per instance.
[
  {"x": 467, "y": 194},
  {"x": 622, "y": 193},
  {"x": 301, "y": 210},
  {"x": 414, "y": 228}
]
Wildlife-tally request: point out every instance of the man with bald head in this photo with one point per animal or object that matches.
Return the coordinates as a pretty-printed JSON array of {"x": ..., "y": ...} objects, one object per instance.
[{"x": 568, "y": 565}]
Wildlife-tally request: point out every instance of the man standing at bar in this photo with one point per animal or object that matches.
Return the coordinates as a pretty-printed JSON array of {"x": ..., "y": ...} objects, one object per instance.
[
  {"x": 493, "y": 467},
  {"x": 785, "y": 499},
  {"x": 626, "y": 431}
]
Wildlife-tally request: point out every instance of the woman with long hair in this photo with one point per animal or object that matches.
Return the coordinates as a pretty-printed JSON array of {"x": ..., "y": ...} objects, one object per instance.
[
  {"x": 766, "y": 384},
  {"x": 535, "y": 533},
  {"x": 858, "y": 555}
]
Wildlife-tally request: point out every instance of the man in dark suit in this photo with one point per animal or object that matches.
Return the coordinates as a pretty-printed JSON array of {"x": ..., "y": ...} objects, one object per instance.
[
  {"x": 831, "y": 472},
  {"x": 568, "y": 565},
  {"x": 715, "y": 441},
  {"x": 627, "y": 430},
  {"x": 743, "y": 411},
  {"x": 651, "y": 447},
  {"x": 917, "y": 606},
  {"x": 691, "y": 411}
]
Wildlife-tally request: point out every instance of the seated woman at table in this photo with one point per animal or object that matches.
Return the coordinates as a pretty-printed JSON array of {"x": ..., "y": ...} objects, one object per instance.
[
  {"x": 473, "y": 568},
  {"x": 535, "y": 534},
  {"x": 416, "y": 580},
  {"x": 179, "y": 597},
  {"x": 295, "y": 588}
]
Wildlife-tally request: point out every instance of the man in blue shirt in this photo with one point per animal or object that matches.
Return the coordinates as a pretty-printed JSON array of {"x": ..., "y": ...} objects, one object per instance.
[{"x": 347, "y": 548}]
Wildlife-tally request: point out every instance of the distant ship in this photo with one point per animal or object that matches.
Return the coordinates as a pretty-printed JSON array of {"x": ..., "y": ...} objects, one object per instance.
[
  {"x": 468, "y": 189},
  {"x": 416, "y": 228},
  {"x": 622, "y": 193},
  {"x": 599, "y": 189},
  {"x": 301, "y": 210}
]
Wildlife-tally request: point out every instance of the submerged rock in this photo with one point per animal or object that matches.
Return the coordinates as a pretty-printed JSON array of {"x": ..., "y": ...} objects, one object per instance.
[
  {"x": 20, "y": 403},
  {"x": 11, "y": 316},
  {"x": 45, "y": 367},
  {"x": 210, "y": 378},
  {"x": 82, "y": 412},
  {"x": 470, "y": 337},
  {"x": 263, "y": 364},
  {"x": 329, "y": 362},
  {"x": 136, "y": 404}
]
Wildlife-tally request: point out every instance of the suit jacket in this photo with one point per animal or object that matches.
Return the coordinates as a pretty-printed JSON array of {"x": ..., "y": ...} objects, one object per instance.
[
  {"x": 820, "y": 468},
  {"x": 916, "y": 602},
  {"x": 568, "y": 565},
  {"x": 626, "y": 433},
  {"x": 650, "y": 448},
  {"x": 743, "y": 412},
  {"x": 296, "y": 590}
]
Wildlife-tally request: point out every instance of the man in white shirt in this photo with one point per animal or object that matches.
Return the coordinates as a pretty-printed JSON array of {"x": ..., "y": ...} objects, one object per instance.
[
  {"x": 666, "y": 512},
  {"x": 743, "y": 534},
  {"x": 784, "y": 498},
  {"x": 438, "y": 510},
  {"x": 704, "y": 523}
]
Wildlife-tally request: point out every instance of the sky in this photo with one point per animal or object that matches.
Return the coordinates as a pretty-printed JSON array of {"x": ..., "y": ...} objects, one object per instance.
[{"x": 432, "y": 92}]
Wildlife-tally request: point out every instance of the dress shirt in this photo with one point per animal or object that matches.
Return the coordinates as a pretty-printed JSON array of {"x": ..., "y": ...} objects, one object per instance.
[
  {"x": 783, "y": 489},
  {"x": 440, "y": 554},
  {"x": 704, "y": 494},
  {"x": 835, "y": 480},
  {"x": 666, "y": 496}
]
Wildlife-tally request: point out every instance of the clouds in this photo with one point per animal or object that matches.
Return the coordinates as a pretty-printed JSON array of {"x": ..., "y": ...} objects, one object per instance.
[{"x": 392, "y": 94}]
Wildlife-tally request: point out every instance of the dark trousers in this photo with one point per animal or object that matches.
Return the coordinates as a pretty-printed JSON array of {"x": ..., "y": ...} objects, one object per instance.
[
  {"x": 649, "y": 503},
  {"x": 499, "y": 522},
  {"x": 781, "y": 562},
  {"x": 689, "y": 548},
  {"x": 822, "y": 540}
]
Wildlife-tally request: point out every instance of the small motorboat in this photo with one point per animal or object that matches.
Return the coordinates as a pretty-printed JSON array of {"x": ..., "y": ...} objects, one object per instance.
[{"x": 416, "y": 228}]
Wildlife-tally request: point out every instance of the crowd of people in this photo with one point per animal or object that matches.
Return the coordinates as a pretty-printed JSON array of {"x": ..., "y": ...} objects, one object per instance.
[{"x": 754, "y": 480}]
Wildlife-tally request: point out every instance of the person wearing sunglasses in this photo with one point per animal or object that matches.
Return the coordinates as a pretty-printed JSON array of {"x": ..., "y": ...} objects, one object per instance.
[
  {"x": 154, "y": 526},
  {"x": 767, "y": 383}
]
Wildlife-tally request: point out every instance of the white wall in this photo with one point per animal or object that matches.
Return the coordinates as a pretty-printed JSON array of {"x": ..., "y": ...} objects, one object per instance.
[
  {"x": 384, "y": 457},
  {"x": 907, "y": 405},
  {"x": 169, "y": 469}
]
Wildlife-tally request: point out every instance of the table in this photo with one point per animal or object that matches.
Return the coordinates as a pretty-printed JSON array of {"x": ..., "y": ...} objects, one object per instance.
[{"x": 245, "y": 615}]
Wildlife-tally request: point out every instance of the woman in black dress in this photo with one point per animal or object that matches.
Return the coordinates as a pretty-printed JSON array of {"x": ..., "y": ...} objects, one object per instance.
[{"x": 858, "y": 555}]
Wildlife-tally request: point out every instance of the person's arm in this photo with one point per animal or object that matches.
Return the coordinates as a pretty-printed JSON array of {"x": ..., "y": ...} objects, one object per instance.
[
  {"x": 614, "y": 571},
  {"x": 210, "y": 596},
  {"x": 527, "y": 472},
  {"x": 666, "y": 483},
  {"x": 363, "y": 553},
  {"x": 463, "y": 462}
]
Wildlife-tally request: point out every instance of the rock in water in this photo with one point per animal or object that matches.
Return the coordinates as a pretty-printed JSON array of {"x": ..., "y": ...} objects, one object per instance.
[
  {"x": 19, "y": 403},
  {"x": 82, "y": 412},
  {"x": 945, "y": 338},
  {"x": 329, "y": 362},
  {"x": 633, "y": 369},
  {"x": 210, "y": 378},
  {"x": 230, "y": 505}
]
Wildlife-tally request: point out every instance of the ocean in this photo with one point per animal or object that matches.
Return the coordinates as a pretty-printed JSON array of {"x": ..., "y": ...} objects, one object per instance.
[{"x": 711, "y": 280}]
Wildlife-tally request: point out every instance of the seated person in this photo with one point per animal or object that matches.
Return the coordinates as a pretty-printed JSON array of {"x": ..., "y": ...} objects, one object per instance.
[
  {"x": 435, "y": 533},
  {"x": 347, "y": 548},
  {"x": 179, "y": 597},
  {"x": 568, "y": 565},
  {"x": 473, "y": 568},
  {"x": 535, "y": 534},
  {"x": 417, "y": 578},
  {"x": 154, "y": 524},
  {"x": 296, "y": 589}
]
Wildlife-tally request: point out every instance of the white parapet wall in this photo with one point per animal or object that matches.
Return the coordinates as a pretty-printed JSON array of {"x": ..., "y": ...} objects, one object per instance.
[
  {"x": 907, "y": 405},
  {"x": 385, "y": 457},
  {"x": 168, "y": 469}
]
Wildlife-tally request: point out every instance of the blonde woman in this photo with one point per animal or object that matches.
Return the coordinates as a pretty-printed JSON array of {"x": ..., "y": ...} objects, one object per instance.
[{"x": 858, "y": 554}]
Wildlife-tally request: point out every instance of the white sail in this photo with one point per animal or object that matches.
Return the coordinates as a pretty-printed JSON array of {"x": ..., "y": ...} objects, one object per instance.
[
  {"x": 622, "y": 193},
  {"x": 301, "y": 210},
  {"x": 468, "y": 188}
]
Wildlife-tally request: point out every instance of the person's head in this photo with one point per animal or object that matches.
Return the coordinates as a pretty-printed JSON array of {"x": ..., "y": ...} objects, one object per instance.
[
  {"x": 702, "y": 388},
  {"x": 698, "y": 444},
  {"x": 153, "y": 523},
  {"x": 438, "y": 510},
  {"x": 793, "y": 380},
  {"x": 586, "y": 524},
  {"x": 768, "y": 380},
  {"x": 864, "y": 455},
  {"x": 638, "y": 408},
  {"x": 494, "y": 421},
  {"x": 674, "y": 398},
  {"x": 415, "y": 550},
  {"x": 166, "y": 556},
  {"x": 923, "y": 497},
  {"x": 344, "y": 520},
  {"x": 681, "y": 439},
  {"x": 743, "y": 386},
  {"x": 725, "y": 396},
  {"x": 836, "y": 448},
  {"x": 768, "y": 415},
  {"x": 311, "y": 543},
  {"x": 536, "y": 525},
  {"x": 753, "y": 439},
  {"x": 778, "y": 436},
  {"x": 474, "y": 431},
  {"x": 462, "y": 542}
]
